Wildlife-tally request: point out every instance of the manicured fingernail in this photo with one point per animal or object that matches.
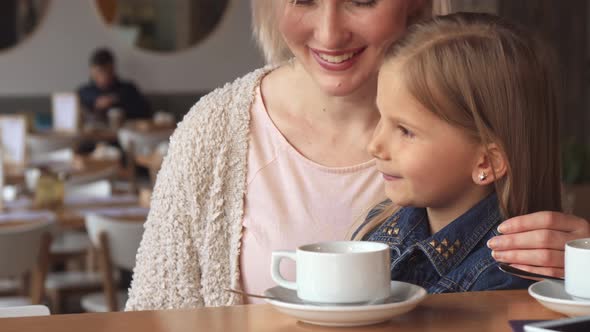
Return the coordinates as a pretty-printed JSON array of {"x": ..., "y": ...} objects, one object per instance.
[
  {"x": 497, "y": 255},
  {"x": 491, "y": 243},
  {"x": 500, "y": 228}
]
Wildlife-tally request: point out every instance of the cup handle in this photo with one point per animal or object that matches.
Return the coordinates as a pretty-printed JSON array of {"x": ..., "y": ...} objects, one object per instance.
[{"x": 275, "y": 271}]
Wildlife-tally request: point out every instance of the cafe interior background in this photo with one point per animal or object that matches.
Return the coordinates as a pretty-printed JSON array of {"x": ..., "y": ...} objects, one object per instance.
[{"x": 175, "y": 51}]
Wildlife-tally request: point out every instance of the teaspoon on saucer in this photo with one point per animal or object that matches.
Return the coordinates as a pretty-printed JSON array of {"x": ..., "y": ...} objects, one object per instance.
[
  {"x": 522, "y": 273},
  {"x": 374, "y": 302},
  {"x": 235, "y": 291}
]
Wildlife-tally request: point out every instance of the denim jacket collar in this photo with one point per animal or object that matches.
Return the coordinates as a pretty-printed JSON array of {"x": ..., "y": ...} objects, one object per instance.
[{"x": 408, "y": 229}]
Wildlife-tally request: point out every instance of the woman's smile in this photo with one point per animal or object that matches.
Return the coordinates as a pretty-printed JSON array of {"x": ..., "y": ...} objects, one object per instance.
[{"x": 337, "y": 60}]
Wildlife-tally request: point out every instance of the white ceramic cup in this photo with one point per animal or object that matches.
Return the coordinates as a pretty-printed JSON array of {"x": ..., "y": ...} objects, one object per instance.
[
  {"x": 577, "y": 269},
  {"x": 337, "y": 272}
]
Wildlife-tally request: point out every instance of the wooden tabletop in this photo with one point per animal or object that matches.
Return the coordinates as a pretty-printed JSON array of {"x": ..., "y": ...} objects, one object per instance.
[
  {"x": 100, "y": 135},
  {"x": 71, "y": 215},
  {"x": 16, "y": 223},
  {"x": 80, "y": 167},
  {"x": 89, "y": 134},
  {"x": 478, "y": 311},
  {"x": 147, "y": 126}
]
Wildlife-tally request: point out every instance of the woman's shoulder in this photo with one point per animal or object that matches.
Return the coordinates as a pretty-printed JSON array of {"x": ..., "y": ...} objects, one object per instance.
[
  {"x": 222, "y": 108},
  {"x": 230, "y": 96}
]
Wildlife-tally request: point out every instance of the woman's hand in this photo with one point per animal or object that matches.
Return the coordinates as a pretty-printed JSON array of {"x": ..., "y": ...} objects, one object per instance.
[{"x": 536, "y": 242}]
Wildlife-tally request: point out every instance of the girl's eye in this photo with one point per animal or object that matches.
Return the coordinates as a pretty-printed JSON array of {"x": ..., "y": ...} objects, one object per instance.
[{"x": 405, "y": 132}]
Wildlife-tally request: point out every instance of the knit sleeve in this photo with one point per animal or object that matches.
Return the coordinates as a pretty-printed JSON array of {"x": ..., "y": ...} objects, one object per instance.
[
  {"x": 167, "y": 271},
  {"x": 190, "y": 247}
]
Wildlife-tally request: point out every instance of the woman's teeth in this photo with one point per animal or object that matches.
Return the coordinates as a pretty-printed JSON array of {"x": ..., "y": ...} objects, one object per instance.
[{"x": 336, "y": 58}]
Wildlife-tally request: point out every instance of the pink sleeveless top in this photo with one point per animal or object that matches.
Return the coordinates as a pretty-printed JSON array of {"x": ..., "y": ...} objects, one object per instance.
[{"x": 292, "y": 201}]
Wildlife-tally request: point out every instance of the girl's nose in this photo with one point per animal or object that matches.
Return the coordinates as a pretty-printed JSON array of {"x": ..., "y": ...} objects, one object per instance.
[
  {"x": 375, "y": 147},
  {"x": 332, "y": 31}
]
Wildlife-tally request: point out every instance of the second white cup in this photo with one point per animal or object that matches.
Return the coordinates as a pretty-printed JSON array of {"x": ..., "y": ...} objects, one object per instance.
[
  {"x": 577, "y": 269},
  {"x": 337, "y": 272}
]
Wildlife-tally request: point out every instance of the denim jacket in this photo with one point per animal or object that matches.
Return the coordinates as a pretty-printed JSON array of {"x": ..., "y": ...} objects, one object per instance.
[{"x": 455, "y": 259}]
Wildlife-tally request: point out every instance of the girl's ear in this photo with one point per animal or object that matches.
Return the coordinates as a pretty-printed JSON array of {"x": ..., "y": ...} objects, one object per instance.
[{"x": 491, "y": 165}]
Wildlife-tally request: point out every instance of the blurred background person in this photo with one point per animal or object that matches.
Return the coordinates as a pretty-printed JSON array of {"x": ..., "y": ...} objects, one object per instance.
[{"x": 106, "y": 91}]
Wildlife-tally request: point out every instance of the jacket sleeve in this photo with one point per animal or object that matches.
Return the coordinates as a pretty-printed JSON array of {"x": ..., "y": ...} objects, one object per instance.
[
  {"x": 167, "y": 272},
  {"x": 492, "y": 278}
]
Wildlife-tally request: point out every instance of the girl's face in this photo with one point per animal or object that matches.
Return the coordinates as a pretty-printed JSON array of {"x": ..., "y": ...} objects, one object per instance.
[
  {"x": 425, "y": 161},
  {"x": 341, "y": 43}
]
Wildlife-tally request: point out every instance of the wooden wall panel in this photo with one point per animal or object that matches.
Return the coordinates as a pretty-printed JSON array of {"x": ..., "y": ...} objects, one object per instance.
[{"x": 565, "y": 25}]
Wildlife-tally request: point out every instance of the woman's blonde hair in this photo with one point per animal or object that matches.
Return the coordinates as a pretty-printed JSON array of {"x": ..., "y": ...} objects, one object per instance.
[
  {"x": 270, "y": 40},
  {"x": 498, "y": 83}
]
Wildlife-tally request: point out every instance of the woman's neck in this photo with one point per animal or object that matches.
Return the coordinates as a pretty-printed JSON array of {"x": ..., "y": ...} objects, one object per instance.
[
  {"x": 311, "y": 101},
  {"x": 330, "y": 130},
  {"x": 441, "y": 216}
]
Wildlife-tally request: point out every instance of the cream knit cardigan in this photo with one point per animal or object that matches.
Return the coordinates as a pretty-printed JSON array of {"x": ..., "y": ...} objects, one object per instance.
[{"x": 190, "y": 248}]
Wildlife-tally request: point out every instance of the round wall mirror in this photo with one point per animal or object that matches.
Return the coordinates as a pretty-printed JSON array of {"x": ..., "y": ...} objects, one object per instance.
[
  {"x": 162, "y": 25},
  {"x": 19, "y": 19}
]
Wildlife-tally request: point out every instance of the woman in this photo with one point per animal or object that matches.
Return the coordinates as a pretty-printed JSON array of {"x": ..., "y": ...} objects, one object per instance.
[{"x": 262, "y": 163}]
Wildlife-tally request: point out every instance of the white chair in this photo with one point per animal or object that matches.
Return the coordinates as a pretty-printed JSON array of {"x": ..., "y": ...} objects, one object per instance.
[
  {"x": 117, "y": 242},
  {"x": 68, "y": 243},
  {"x": 61, "y": 285},
  {"x": 24, "y": 249},
  {"x": 74, "y": 242},
  {"x": 97, "y": 302},
  {"x": 71, "y": 245},
  {"x": 24, "y": 311}
]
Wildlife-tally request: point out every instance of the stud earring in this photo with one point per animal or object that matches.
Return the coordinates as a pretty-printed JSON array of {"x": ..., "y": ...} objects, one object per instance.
[{"x": 483, "y": 176}]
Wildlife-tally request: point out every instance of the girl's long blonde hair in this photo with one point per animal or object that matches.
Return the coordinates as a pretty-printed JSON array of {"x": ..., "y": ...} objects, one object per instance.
[{"x": 498, "y": 83}]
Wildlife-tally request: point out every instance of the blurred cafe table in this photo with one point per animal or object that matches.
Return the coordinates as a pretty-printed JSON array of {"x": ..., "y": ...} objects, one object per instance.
[
  {"x": 92, "y": 134},
  {"x": 149, "y": 126},
  {"x": 143, "y": 136},
  {"x": 71, "y": 214},
  {"x": 477, "y": 311},
  {"x": 81, "y": 168}
]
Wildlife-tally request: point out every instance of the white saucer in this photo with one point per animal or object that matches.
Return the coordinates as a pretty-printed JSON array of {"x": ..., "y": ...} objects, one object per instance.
[
  {"x": 404, "y": 297},
  {"x": 552, "y": 295}
]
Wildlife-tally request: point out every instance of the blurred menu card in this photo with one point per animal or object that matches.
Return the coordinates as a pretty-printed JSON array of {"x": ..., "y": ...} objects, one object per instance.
[
  {"x": 66, "y": 111},
  {"x": 13, "y": 129}
]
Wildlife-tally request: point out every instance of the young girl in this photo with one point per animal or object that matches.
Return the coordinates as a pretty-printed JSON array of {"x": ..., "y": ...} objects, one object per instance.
[{"x": 468, "y": 137}]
